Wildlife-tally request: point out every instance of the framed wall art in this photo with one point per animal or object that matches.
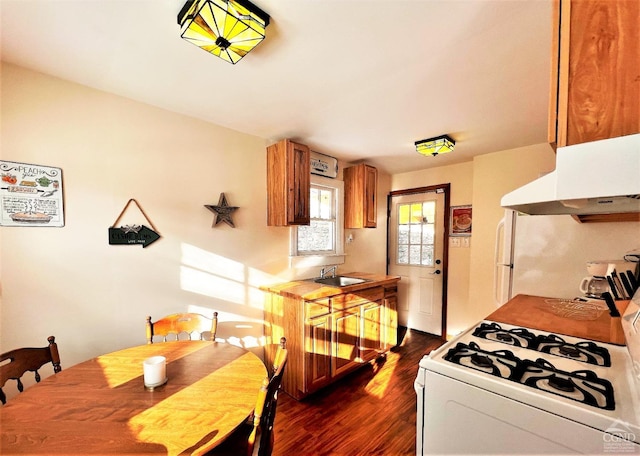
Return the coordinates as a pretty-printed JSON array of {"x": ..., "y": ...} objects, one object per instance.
[
  {"x": 460, "y": 223},
  {"x": 30, "y": 195}
]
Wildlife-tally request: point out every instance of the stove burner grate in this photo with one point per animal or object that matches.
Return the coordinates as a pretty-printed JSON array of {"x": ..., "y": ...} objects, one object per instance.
[
  {"x": 586, "y": 351},
  {"x": 518, "y": 337},
  {"x": 583, "y": 386}
]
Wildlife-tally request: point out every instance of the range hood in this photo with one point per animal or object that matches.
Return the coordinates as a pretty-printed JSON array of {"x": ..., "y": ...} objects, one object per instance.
[{"x": 599, "y": 177}]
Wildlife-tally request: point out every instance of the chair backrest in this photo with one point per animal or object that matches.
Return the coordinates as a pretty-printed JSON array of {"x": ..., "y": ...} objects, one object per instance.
[
  {"x": 265, "y": 411},
  {"x": 183, "y": 323},
  {"x": 22, "y": 360},
  {"x": 280, "y": 359}
]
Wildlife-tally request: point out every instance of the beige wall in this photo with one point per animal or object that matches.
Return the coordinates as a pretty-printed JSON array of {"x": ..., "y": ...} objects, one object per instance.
[
  {"x": 94, "y": 297},
  {"x": 495, "y": 175},
  {"x": 368, "y": 251}
]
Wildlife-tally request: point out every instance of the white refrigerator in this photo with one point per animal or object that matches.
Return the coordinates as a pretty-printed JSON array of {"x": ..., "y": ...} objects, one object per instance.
[{"x": 546, "y": 255}]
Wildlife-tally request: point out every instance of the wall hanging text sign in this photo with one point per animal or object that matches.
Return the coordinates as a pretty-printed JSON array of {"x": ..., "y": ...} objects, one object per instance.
[
  {"x": 30, "y": 195},
  {"x": 323, "y": 165},
  {"x": 133, "y": 234}
]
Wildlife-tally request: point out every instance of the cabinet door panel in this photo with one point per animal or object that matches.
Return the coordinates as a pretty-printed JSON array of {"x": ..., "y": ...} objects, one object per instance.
[
  {"x": 288, "y": 184},
  {"x": 371, "y": 340},
  {"x": 360, "y": 189},
  {"x": 299, "y": 185},
  {"x": 370, "y": 190},
  {"x": 317, "y": 353},
  {"x": 390, "y": 321},
  {"x": 345, "y": 340},
  {"x": 594, "y": 88}
]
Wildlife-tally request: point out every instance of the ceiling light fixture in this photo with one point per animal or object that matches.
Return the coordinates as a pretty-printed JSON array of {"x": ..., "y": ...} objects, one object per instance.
[
  {"x": 435, "y": 146},
  {"x": 228, "y": 29}
]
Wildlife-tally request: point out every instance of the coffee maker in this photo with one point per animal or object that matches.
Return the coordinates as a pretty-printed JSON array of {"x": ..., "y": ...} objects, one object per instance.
[
  {"x": 596, "y": 283},
  {"x": 593, "y": 287}
]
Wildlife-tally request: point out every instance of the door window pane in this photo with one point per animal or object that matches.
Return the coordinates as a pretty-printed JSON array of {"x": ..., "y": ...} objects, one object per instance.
[
  {"x": 403, "y": 254},
  {"x": 416, "y": 233}
]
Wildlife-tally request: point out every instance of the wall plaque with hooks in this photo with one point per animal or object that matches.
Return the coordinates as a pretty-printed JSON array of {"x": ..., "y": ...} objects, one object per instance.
[{"x": 133, "y": 234}]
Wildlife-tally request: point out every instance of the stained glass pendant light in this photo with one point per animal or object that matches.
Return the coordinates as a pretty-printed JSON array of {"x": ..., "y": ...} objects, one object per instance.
[
  {"x": 435, "y": 146},
  {"x": 228, "y": 29}
]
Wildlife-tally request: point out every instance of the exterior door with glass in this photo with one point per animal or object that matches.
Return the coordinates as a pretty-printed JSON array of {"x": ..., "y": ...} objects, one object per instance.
[{"x": 416, "y": 247}]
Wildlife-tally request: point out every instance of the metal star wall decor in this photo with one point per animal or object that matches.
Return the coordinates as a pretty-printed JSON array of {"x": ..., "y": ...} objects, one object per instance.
[{"x": 223, "y": 211}]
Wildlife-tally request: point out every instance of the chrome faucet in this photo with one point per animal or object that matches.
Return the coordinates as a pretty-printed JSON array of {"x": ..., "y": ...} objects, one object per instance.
[{"x": 324, "y": 272}]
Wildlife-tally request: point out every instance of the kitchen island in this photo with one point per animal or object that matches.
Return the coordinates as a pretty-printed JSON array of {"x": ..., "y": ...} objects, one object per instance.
[{"x": 330, "y": 330}]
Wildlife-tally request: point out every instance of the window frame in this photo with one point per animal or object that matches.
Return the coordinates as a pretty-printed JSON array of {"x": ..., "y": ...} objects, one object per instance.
[{"x": 297, "y": 260}]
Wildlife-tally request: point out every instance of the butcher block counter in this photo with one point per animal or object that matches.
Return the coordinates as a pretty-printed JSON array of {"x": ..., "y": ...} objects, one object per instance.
[
  {"x": 309, "y": 290},
  {"x": 330, "y": 331},
  {"x": 548, "y": 314}
]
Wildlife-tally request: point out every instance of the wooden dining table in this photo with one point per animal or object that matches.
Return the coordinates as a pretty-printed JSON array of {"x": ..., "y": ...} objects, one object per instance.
[{"x": 101, "y": 406}]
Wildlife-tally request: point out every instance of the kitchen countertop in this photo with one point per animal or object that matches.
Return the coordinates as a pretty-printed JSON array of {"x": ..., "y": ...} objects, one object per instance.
[
  {"x": 309, "y": 290},
  {"x": 536, "y": 312}
]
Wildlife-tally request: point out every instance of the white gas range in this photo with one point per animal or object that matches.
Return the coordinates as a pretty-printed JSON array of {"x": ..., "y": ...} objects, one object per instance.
[{"x": 502, "y": 389}]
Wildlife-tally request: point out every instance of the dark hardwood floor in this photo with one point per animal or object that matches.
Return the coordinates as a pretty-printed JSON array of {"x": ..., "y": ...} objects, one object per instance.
[{"x": 370, "y": 412}]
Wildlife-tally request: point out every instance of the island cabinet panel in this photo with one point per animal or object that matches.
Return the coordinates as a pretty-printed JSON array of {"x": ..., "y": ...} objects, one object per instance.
[
  {"x": 371, "y": 331},
  {"x": 329, "y": 337},
  {"x": 317, "y": 355},
  {"x": 288, "y": 184},
  {"x": 360, "y": 188},
  {"x": 345, "y": 341},
  {"x": 390, "y": 330},
  {"x": 595, "y": 90}
]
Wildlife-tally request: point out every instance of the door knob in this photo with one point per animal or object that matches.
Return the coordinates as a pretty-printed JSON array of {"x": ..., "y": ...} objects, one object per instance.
[{"x": 437, "y": 271}]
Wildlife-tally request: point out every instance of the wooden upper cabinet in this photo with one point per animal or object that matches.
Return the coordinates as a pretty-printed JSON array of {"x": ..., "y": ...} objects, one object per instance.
[
  {"x": 595, "y": 80},
  {"x": 288, "y": 184},
  {"x": 360, "y": 205}
]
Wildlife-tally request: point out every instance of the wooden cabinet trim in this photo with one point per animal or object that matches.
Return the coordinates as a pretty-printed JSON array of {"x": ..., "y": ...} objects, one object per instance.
[
  {"x": 315, "y": 309},
  {"x": 361, "y": 297}
]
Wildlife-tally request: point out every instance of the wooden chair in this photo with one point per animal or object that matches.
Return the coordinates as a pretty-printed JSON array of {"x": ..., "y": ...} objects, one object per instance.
[
  {"x": 183, "y": 323},
  {"x": 259, "y": 427},
  {"x": 22, "y": 360}
]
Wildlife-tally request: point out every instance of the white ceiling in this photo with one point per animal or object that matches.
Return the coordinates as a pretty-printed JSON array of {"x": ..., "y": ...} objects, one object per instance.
[{"x": 356, "y": 79}]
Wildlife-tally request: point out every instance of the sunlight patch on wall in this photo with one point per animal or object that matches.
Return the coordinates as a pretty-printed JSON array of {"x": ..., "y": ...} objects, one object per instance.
[
  {"x": 207, "y": 284},
  {"x": 214, "y": 264},
  {"x": 216, "y": 276}
]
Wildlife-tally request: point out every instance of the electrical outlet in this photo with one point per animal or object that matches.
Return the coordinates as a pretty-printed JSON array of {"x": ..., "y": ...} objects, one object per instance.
[{"x": 455, "y": 242}]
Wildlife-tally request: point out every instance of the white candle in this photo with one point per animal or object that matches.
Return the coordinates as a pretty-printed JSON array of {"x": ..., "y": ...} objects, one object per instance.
[{"x": 155, "y": 371}]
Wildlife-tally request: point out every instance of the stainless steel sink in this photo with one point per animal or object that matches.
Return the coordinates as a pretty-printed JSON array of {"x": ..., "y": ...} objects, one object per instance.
[{"x": 340, "y": 281}]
